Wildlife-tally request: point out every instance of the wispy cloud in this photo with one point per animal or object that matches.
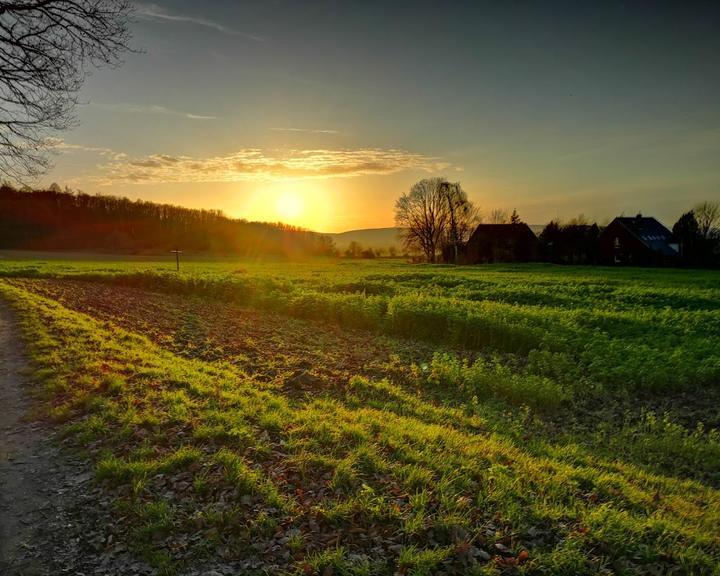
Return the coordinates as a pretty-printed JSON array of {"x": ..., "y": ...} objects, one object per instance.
[
  {"x": 60, "y": 146},
  {"x": 156, "y": 13},
  {"x": 256, "y": 164},
  {"x": 149, "y": 109},
  {"x": 306, "y": 130}
]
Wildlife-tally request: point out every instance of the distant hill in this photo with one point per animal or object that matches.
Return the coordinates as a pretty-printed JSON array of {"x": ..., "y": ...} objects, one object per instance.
[
  {"x": 375, "y": 238},
  {"x": 383, "y": 238}
]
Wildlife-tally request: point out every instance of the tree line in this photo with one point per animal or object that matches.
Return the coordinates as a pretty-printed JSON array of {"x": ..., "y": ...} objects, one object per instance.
[
  {"x": 54, "y": 219},
  {"x": 356, "y": 250}
]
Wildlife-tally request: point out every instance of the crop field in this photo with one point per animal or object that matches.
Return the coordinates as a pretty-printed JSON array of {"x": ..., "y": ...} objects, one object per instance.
[{"x": 377, "y": 417}]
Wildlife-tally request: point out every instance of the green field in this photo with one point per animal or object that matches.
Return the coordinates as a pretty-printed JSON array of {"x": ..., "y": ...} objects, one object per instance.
[{"x": 352, "y": 417}]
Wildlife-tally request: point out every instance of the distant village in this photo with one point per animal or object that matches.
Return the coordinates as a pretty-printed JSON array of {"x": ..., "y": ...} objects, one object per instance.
[
  {"x": 638, "y": 240},
  {"x": 439, "y": 220},
  {"x": 627, "y": 240}
]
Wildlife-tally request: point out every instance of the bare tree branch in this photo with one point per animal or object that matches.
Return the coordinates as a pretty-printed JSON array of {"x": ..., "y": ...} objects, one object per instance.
[
  {"x": 499, "y": 216},
  {"x": 47, "y": 48}
]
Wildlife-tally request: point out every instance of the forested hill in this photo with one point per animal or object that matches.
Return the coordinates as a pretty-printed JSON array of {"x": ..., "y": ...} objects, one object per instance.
[{"x": 55, "y": 220}]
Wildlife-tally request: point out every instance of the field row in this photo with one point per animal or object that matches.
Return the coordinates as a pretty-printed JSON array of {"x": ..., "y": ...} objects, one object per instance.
[{"x": 587, "y": 347}]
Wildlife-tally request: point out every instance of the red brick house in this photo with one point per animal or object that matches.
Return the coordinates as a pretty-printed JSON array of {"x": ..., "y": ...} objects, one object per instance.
[{"x": 638, "y": 240}]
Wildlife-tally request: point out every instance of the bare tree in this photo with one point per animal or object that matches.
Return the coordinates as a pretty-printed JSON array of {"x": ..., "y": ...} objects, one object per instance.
[
  {"x": 498, "y": 216},
  {"x": 435, "y": 214},
  {"x": 423, "y": 214},
  {"x": 707, "y": 215},
  {"x": 46, "y": 50}
]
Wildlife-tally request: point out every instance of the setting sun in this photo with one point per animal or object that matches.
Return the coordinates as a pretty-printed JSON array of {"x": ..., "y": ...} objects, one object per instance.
[
  {"x": 303, "y": 203},
  {"x": 289, "y": 207}
]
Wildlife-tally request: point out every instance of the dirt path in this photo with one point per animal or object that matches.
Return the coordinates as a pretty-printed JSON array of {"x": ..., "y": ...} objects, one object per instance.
[{"x": 53, "y": 520}]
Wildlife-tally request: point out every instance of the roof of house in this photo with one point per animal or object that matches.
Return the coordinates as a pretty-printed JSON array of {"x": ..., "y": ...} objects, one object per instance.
[
  {"x": 650, "y": 232},
  {"x": 503, "y": 230}
]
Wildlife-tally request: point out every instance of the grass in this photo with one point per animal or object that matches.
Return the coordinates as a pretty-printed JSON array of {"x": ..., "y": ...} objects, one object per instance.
[
  {"x": 645, "y": 329},
  {"x": 532, "y": 419}
]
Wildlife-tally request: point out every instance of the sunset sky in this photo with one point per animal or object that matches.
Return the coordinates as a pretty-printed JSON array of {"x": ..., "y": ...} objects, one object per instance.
[{"x": 322, "y": 113}]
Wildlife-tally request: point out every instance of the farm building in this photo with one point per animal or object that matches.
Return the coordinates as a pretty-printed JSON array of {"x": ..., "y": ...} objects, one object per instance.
[
  {"x": 502, "y": 243},
  {"x": 637, "y": 240}
]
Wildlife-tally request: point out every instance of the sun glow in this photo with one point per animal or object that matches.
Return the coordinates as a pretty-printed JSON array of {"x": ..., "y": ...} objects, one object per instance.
[
  {"x": 303, "y": 203},
  {"x": 289, "y": 207}
]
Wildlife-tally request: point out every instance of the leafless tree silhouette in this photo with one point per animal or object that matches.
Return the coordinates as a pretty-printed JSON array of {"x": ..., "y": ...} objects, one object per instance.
[
  {"x": 499, "y": 216},
  {"x": 47, "y": 48},
  {"x": 435, "y": 213},
  {"x": 707, "y": 215},
  {"x": 423, "y": 214}
]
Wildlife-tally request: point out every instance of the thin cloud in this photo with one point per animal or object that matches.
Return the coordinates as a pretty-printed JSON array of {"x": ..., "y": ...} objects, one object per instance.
[
  {"x": 306, "y": 130},
  {"x": 62, "y": 147},
  {"x": 256, "y": 164},
  {"x": 156, "y": 13},
  {"x": 150, "y": 109}
]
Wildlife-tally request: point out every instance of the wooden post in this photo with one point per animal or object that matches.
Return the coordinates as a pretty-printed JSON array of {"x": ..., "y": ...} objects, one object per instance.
[{"x": 177, "y": 258}]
